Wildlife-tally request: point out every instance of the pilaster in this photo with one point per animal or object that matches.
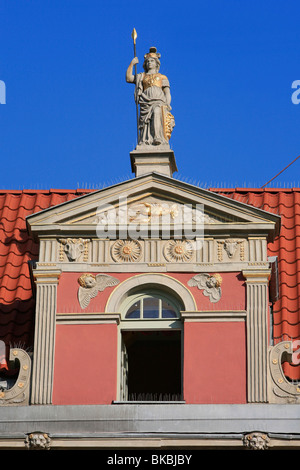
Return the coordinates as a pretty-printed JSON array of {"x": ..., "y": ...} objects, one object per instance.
[
  {"x": 257, "y": 334},
  {"x": 44, "y": 340}
]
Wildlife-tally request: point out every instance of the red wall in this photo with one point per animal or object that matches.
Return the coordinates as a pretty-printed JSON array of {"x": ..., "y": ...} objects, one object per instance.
[
  {"x": 85, "y": 367},
  {"x": 233, "y": 292},
  {"x": 214, "y": 362}
]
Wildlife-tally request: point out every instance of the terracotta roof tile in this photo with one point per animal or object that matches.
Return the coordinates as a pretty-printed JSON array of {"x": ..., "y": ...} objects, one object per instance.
[{"x": 16, "y": 250}]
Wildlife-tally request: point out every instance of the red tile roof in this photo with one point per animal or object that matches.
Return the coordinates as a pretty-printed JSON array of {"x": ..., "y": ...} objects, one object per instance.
[{"x": 17, "y": 249}]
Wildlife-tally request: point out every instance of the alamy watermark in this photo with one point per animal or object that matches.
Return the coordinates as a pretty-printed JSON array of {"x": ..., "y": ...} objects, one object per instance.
[
  {"x": 151, "y": 220},
  {"x": 296, "y": 94},
  {"x": 2, "y": 92}
]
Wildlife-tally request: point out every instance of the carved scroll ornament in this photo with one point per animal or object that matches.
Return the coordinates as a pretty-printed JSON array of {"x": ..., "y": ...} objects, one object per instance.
[
  {"x": 210, "y": 284},
  {"x": 91, "y": 284},
  {"x": 281, "y": 387},
  {"x": 18, "y": 392}
]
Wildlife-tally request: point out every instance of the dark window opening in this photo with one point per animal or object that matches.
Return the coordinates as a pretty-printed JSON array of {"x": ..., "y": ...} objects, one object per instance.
[{"x": 153, "y": 365}]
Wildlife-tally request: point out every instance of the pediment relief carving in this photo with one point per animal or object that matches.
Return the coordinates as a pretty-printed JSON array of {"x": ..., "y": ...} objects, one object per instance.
[{"x": 154, "y": 210}]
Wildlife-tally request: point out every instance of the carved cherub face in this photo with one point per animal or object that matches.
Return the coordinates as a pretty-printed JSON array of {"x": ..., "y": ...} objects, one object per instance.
[
  {"x": 87, "y": 280},
  {"x": 211, "y": 282},
  {"x": 90, "y": 281}
]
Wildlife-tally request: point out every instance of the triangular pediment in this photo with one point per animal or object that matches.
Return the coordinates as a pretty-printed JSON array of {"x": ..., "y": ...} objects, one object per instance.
[{"x": 149, "y": 197}]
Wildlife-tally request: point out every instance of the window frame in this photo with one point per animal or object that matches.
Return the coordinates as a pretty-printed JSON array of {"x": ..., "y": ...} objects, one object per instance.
[{"x": 150, "y": 323}]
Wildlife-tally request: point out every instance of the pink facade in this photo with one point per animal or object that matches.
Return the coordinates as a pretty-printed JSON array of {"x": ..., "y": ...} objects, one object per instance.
[
  {"x": 213, "y": 353},
  {"x": 85, "y": 366},
  {"x": 86, "y": 356}
]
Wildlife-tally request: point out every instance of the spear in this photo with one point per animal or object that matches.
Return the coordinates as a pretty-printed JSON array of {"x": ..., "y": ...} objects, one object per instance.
[{"x": 134, "y": 36}]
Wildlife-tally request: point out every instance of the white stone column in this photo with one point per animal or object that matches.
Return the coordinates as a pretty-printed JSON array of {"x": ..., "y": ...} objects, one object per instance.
[
  {"x": 257, "y": 334},
  {"x": 44, "y": 336}
]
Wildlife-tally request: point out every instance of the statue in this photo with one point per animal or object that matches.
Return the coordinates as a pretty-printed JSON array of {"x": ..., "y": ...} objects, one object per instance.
[{"x": 152, "y": 95}]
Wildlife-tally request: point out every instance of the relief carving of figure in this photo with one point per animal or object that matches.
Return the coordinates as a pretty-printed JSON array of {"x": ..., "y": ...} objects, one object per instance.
[
  {"x": 90, "y": 285},
  {"x": 152, "y": 94},
  {"x": 210, "y": 284}
]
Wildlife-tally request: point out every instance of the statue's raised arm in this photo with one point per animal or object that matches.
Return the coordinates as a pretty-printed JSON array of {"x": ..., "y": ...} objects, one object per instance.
[{"x": 152, "y": 95}]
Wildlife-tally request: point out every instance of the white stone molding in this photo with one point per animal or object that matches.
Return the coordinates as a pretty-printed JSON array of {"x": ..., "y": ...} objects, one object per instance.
[
  {"x": 281, "y": 390},
  {"x": 44, "y": 339},
  {"x": 257, "y": 334},
  {"x": 48, "y": 250},
  {"x": 257, "y": 249},
  {"x": 146, "y": 281},
  {"x": 87, "y": 318},
  {"x": 18, "y": 394},
  {"x": 215, "y": 316}
]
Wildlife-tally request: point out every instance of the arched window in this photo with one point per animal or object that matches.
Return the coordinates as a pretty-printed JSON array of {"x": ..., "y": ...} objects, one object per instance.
[{"x": 151, "y": 306}]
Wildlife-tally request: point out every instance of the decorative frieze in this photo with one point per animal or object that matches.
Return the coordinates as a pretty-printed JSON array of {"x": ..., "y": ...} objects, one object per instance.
[
  {"x": 177, "y": 251},
  {"x": 75, "y": 249},
  {"x": 229, "y": 251},
  {"x": 257, "y": 249},
  {"x": 128, "y": 251}
]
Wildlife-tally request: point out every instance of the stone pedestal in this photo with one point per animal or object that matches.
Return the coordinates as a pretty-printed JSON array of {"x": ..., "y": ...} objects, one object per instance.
[{"x": 151, "y": 158}]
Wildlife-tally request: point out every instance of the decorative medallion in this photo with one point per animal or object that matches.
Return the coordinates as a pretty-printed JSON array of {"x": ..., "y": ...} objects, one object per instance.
[
  {"x": 178, "y": 251},
  {"x": 210, "y": 284},
  {"x": 126, "y": 251},
  {"x": 90, "y": 285}
]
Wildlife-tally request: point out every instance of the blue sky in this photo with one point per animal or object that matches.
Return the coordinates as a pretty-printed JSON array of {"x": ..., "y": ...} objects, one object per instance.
[{"x": 70, "y": 121}]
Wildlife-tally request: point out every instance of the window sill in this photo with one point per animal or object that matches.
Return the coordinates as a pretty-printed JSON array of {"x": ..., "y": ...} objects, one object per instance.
[{"x": 148, "y": 402}]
